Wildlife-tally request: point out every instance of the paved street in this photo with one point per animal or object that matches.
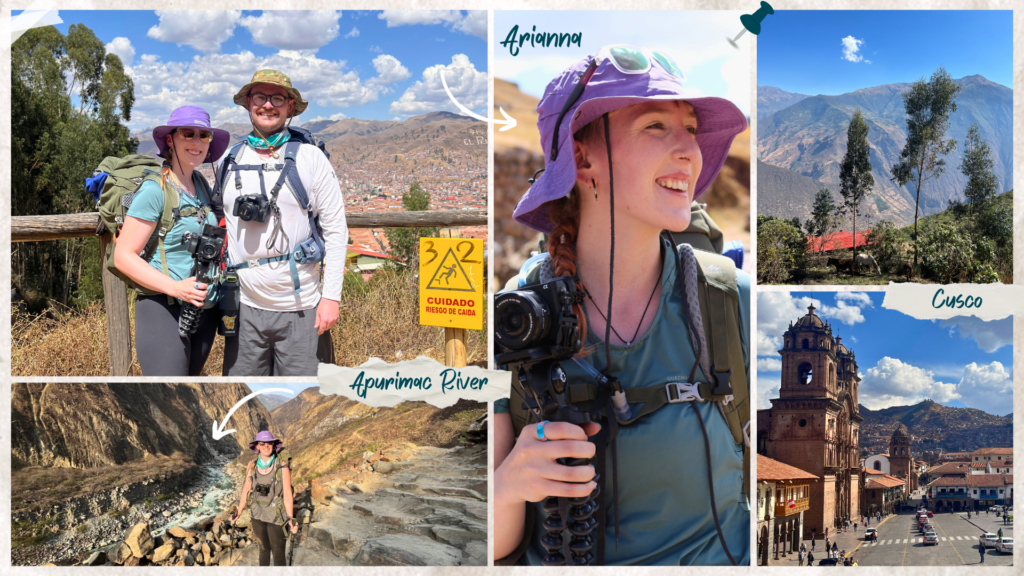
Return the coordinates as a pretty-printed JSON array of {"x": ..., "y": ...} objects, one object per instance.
[{"x": 900, "y": 543}]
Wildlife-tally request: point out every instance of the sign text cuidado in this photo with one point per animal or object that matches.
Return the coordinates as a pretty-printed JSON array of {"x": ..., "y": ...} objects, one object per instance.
[{"x": 451, "y": 283}]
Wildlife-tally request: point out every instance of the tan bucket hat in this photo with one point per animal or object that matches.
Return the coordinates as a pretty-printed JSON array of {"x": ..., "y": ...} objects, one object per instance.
[{"x": 277, "y": 79}]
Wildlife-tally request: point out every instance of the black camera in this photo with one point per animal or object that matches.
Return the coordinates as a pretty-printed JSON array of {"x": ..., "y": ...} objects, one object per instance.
[
  {"x": 252, "y": 208},
  {"x": 262, "y": 489},
  {"x": 538, "y": 317},
  {"x": 207, "y": 245},
  {"x": 207, "y": 249}
]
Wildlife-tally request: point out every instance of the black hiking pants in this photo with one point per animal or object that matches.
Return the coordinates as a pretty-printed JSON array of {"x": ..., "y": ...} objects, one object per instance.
[
  {"x": 161, "y": 351},
  {"x": 271, "y": 539}
]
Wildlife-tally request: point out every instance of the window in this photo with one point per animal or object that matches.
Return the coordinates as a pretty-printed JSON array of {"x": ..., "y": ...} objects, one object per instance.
[
  {"x": 805, "y": 372},
  {"x": 878, "y": 465},
  {"x": 803, "y": 422},
  {"x": 806, "y": 344}
]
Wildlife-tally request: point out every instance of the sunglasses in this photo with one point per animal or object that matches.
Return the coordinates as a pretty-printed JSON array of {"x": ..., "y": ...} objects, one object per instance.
[
  {"x": 189, "y": 134},
  {"x": 260, "y": 99},
  {"x": 626, "y": 59}
]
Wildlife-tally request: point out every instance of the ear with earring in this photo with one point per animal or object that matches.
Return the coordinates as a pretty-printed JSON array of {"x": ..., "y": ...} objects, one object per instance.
[{"x": 593, "y": 185}]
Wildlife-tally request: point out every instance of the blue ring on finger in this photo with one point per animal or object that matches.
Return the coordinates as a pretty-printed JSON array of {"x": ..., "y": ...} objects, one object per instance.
[
  {"x": 197, "y": 285},
  {"x": 540, "y": 431}
]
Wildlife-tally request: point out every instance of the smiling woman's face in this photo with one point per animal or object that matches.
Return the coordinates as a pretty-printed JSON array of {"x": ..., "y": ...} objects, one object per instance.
[
  {"x": 265, "y": 448},
  {"x": 656, "y": 163},
  {"x": 189, "y": 153}
]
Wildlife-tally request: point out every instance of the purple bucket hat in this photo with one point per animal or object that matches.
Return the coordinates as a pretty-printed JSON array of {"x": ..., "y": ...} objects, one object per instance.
[
  {"x": 192, "y": 117},
  {"x": 265, "y": 436},
  {"x": 718, "y": 123}
]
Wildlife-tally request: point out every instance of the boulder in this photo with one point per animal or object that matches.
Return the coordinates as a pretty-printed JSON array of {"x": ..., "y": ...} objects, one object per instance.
[
  {"x": 118, "y": 554},
  {"x": 95, "y": 559},
  {"x": 139, "y": 540},
  {"x": 206, "y": 550},
  {"x": 406, "y": 550},
  {"x": 167, "y": 513},
  {"x": 454, "y": 536},
  {"x": 162, "y": 553},
  {"x": 131, "y": 561},
  {"x": 224, "y": 540},
  {"x": 382, "y": 467},
  {"x": 179, "y": 532},
  {"x": 228, "y": 557}
]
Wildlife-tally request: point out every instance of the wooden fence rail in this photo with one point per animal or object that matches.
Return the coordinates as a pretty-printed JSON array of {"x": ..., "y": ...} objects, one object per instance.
[
  {"x": 115, "y": 295},
  {"x": 56, "y": 227}
]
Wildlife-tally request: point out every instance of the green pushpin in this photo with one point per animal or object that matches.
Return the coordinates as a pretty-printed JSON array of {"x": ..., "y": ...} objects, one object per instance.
[{"x": 752, "y": 22}]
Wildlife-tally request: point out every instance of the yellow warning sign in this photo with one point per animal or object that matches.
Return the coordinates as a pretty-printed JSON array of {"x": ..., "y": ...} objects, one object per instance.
[{"x": 451, "y": 283}]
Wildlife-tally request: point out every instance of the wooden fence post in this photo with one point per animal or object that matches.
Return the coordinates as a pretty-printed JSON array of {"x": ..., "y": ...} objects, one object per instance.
[
  {"x": 454, "y": 338},
  {"x": 115, "y": 302}
]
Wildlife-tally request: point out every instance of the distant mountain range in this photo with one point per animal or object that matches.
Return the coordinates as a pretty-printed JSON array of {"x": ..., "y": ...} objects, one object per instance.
[
  {"x": 936, "y": 426},
  {"x": 807, "y": 135},
  {"x": 353, "y": 140},
  {"x": 271, "y": 401}
]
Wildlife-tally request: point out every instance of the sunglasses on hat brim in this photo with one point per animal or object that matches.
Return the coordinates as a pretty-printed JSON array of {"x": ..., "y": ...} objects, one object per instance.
[
  {"x": 189, "y": 134},
  {"x": 626, "y": 59}
]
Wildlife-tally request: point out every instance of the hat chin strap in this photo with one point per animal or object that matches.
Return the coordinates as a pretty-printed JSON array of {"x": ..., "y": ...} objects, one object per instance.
[{"x": 287, "y": 125}]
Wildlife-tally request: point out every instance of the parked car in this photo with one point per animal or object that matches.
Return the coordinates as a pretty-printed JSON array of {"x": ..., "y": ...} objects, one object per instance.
[
  {"x": 930, "y": 538},
  {"x": 869, "y": 533},
  {"x": 995, "y": 508},
  {"x": 930, "y": 514},
  {"x": 828, "y": 562},
  {"x": 988, "y": 540},
  {"x": 1005, "y": 545}
]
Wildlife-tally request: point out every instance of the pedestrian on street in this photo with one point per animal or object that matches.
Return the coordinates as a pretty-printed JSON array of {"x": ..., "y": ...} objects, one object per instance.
[
  {"x": 803, "y": 548},
  {"x": 828, "y": 544},
  {"x": 981, "y": 550},
  {"x": 1000, "y": 533},
  {"x": 855, "y": 527},
  {"x": 810, "y": 558},
  {"x": 801, "y": 557},
  {"x": 812, "y": 542}
]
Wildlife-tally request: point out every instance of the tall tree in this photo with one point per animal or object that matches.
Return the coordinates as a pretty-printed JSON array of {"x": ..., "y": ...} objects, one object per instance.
[
  {"x": 977, "y": 165},
  {"x": 928, "y": 106},
  {"x": 855, "y": 179},
  {"x": 825, "y": 219},
  {"x": 404, "y": 243}
]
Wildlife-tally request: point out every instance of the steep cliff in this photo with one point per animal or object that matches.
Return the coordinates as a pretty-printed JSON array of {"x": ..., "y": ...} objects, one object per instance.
[{"x": 97, "y": 425}]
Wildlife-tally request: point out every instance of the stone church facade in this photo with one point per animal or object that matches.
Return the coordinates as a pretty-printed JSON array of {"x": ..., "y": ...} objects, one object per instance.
[{"x": 814, "y": 424}]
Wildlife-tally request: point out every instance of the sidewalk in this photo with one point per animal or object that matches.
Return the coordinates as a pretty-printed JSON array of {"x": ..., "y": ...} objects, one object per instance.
[{"x": 848, "y": 541}]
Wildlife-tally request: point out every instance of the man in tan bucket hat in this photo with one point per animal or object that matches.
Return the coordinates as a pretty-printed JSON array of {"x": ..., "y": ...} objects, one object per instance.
[{"x": 286, "y": 231}]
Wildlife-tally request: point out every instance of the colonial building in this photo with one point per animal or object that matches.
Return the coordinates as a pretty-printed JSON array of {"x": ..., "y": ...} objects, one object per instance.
[
  {"x": 898, "y": 462},
  {"x": 814, "y": 424},
  {"x": 986, "y": 454},
  {"x": 783, "y": 495},
  {"x": 951, "y": 493},
  {"x": 990, "y": 489},
  {"x": 882, "y": 492}
]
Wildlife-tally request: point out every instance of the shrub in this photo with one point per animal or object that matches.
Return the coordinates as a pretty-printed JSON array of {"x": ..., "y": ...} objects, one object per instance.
[
  {"x": 946, "y": 253},
  {"x": 888, "y": 245},
  {"x": 780, "y": 249}
]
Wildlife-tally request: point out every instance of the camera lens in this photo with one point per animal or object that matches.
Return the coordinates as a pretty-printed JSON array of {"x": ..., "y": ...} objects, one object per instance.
[
  {"x": 522, "y": 319},
  {"x": 209, "y": 250}
]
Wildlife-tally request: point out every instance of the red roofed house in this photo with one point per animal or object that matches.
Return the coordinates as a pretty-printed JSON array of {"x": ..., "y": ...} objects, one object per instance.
[
  {"x": 950, "y": 493},
  {"x": 783, "y": 494},
  {"x": 842, "y": 240},
  {"x": 986, "y": 454},
  {"x": 881, "y": 492},
  {"x": 990, "y": 490}
]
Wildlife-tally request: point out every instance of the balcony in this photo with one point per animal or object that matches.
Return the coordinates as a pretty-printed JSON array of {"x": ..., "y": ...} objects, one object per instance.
[
  {"x": 952, "y": 495},
  {"x": 783, "y": 510}
]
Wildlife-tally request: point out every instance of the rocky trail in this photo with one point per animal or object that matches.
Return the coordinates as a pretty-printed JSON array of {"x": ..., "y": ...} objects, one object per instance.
[{"x": 407, "y": 506}]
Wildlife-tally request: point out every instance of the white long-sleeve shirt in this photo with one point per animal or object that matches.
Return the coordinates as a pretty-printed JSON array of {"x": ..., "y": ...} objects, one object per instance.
[{"x": 270, "y": 287}]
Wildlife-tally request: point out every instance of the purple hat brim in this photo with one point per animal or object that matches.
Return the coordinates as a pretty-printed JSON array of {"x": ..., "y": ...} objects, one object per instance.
[
  {"x": 718, "y": 123},
  {"x": 221, "y": 140},
  {"x": 263, "y": 437}
]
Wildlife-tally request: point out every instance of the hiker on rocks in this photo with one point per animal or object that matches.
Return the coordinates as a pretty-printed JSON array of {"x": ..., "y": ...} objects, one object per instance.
[
  {"x": 275, "y": 192},
  {"x": 623, "y": 144},
  {"x": 267, "y": 496},
  {"x": 186, "y": 141}
]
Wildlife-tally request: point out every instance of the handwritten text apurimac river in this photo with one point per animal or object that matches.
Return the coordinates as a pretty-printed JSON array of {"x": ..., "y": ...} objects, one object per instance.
[{"x": 451, "y": 381}]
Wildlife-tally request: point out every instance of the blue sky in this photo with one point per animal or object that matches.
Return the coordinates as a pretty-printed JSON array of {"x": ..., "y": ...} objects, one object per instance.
[
  {"x": 835, "y": 52},
  {"x": 696, "y": 40},
  {"x": 902, "y": 360},
  {"x": 356, "y": 64}
]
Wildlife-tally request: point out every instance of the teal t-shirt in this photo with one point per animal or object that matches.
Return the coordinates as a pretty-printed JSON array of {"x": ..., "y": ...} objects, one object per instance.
[
  {"x": 148, "y": 205},
  {"x": 664, "y": 515}
]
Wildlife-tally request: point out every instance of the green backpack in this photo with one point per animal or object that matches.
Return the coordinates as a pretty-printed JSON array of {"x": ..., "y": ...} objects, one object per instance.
[{"x": 125, "y": 176}]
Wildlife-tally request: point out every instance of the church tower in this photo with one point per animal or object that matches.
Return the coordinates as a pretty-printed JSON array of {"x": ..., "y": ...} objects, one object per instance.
[
  {"x": 901, "y": 463},
  {"x": 815, "y": 421}
]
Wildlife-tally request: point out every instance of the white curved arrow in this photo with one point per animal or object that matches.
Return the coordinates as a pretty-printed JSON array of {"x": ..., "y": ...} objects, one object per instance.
[
  {"x": 509, "y": 121},
  {"x": 218, "y": 429}
]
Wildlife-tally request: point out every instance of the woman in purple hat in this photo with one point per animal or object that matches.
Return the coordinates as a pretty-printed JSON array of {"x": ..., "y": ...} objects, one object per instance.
[
  {"x": 185, "y": 142},
  {"x": 626, "y": 154},
  {"x": 267, "y": 492}
]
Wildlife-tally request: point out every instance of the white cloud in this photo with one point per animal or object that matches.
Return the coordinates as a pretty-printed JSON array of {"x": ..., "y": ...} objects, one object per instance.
[
  {"x": 990, "y": 336},
  {"x": 842, "y": 312},
  {"x": 769, "y": 364},
  {"x": 293, "y": 29},
  {"x": 123, "y": 48},
  {"x": 389, "y": 70},
  {"x": 766, "y": 390},
  {"x": 851, "y": 49},
  {"x": 776, "y": 310},
  {"x": 988, "y": 387},
  {"x": 354, "y": 33},
  {"x": 861, "y": 298},
  {"x": 203, "y": 30},
  {"x": 210, "y": 81},
  {"x": 376, "y": 49},
  {"x": 474, "y": 22},
  {"x": 334, "y": 117},
  {"x": 892, "y": 382},
  {"x": 468, "y": 85}
]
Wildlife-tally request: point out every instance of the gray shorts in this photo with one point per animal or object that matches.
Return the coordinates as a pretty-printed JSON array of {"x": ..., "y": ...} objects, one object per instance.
[{"x": 272, "y": 344}]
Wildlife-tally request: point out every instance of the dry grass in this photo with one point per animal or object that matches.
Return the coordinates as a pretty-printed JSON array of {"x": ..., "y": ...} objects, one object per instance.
[
  {"x": 40, "y": 488},
  {"x": 378, "y": 321}
]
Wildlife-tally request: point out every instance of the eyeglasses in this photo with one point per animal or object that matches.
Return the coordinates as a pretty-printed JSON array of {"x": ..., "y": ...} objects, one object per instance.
[
  {"x": 264, "y": 443},
  {"x": 189, "y": 134},
  {"x": 276, "y": 100},
  {"x": 626, "y": 59}
]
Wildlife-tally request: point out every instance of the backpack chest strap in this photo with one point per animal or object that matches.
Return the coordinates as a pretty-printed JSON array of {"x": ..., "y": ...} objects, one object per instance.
[
  {"x": 257, "y": 262},
  {"x": 652, "y": 398}
]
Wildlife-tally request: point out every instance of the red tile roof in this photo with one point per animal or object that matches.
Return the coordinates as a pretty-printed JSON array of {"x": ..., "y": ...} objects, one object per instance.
[
  {"x": 842, "y": 239},
  {"x": 950, "y": 481},
  {"x": 949, "y": 468},
  {"x": 990, "y": 479},
  {"x": 773, "y": 470},
  {"x": 992, "y": 452},
  {"x": 883, "y": 482},
  {"x": 994, "y": 463}
]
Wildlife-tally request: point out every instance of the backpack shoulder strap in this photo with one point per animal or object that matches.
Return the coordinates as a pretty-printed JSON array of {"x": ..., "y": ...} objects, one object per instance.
[{"x": 220, "y": 179}]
